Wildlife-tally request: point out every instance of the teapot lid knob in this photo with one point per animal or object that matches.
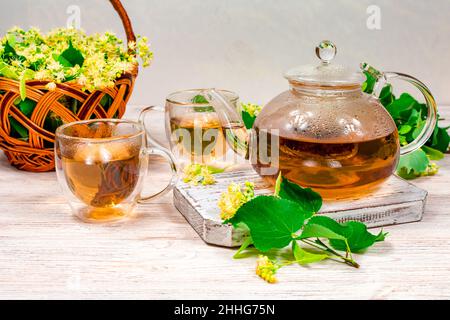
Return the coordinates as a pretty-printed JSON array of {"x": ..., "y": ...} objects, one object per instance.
[{"x": 326, "y": 51}]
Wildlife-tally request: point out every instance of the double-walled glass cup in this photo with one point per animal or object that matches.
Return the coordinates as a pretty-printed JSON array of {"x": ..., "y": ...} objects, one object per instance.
[
  {"x": 196, "y": 133},
  {"x": 101, "y": 166}
]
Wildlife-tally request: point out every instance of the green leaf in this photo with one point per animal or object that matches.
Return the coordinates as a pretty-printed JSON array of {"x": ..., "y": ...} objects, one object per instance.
[
  {"x": 404, "y": 129},
  {"x": 215, "y": 170},
  {"x": 402, "y": 107},
  {"x": 7, "y": 71},
  {"x": 323, "y": 227},
  {"x": 200, "y": 99},
  {"x": 26, "y": 75},
  {"x": 308, "y": 199},
  {"x": 369, "y": 84},
  {"x": 433, "y": 154},
  {"x": 278, "y": 185},
  {"x": 303, "y": 257},
  {"x": 386, "y": 95},
  {"x": 440, "y": 139},
  {"x": 18, "y": 128},
  {"x": 353, "y": 233},
  {"x": 11, "y": 39},
  {"x": 71, "y": 57},
  {"x": 272, "y": 221},
  {"x": 414, "y": 118},
  {"x": 414, "y": 162},
  {"x": 358, "y": 238},
  {"x": 247, "y": 242},
  {"x": 248, "y": 119},
  {"x": 26, "y": 107}
]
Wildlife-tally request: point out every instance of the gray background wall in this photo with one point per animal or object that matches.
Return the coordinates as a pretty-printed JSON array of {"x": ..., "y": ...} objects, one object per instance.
[{"x": 245, "y": 45}]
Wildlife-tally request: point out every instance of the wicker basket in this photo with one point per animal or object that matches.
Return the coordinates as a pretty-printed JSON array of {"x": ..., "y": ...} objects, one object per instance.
[{"x": 36, "y": 154}]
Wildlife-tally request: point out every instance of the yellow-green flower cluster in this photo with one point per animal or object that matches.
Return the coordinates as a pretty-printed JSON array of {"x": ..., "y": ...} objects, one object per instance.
[
  {"x": 231, "y": 200},
  {"x": 106, "y": 58},
  {"x": 198, "y": 173},
  {"x": 431, "y": 170},
  {"x": 266, "y": 269},
  {"x": 252, "y": 109}
]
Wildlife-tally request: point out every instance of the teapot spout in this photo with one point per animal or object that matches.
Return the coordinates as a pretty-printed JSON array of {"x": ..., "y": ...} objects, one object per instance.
[{"x": 234, "y": 129}]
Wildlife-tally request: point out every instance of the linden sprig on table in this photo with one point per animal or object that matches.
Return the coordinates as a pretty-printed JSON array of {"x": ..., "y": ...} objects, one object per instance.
[{"x": 287, "y": 219}]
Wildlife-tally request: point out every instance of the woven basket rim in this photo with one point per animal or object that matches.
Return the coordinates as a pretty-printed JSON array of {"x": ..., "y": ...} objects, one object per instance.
[{"x": 73, "y": 83}]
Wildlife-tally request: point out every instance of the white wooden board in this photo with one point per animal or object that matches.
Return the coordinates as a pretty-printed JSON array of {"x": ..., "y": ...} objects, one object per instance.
[{"x": 396, "y": 202}]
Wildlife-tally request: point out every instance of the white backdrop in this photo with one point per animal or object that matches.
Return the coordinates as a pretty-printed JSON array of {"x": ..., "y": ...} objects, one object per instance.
[{"x": 245, "y": 45}]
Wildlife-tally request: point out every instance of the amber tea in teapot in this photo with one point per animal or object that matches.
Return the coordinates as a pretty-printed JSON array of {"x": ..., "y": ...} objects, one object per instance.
[{"x": 327, "y": 165}]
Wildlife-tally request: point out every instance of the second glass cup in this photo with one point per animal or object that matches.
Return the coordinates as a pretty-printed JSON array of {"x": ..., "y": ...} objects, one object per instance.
[{"x": 195, "y": 131}]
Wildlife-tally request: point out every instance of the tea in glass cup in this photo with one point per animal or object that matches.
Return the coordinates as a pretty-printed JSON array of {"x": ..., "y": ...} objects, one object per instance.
[
  {"x": 101, "y": 165},
  {"x": 196, "y": 132}
]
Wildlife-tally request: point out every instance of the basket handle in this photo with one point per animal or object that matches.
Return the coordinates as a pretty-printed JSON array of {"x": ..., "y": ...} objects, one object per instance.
[{"x": 125, "y": 19}]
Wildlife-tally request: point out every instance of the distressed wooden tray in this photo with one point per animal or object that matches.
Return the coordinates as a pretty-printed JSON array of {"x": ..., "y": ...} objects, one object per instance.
[{"x": 396, "y": 202}]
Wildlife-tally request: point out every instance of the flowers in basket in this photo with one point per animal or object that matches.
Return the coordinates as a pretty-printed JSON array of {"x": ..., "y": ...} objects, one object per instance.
[{"x": 90, "y": 62}]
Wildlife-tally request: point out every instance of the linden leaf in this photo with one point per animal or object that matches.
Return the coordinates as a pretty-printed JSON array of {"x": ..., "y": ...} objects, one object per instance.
[
  {"x": 272, "y": 221},
  {"x": 386, "y": 95},
  {"x": 248, "y": 119},
  {"x": 27, "y": 75},
  {"x": 402, "y": 107},
  {"x": 27, "y": 106},
  {"x": 200, "y": 99},
  {"x": 323, "y": 227},
  {"x": 353, "y": 234},
  {"x": 433, "y": 154},
  {"x": 414, "y": 162},
  {"x": 71, "y": 57},
  {"x": 18, "y": 129},
  {"x": 308, "y": 199},
  {"x": 303, "y": 257},
  {"x": 440, "y": 139},
  {"x": 358, "y": 238}
]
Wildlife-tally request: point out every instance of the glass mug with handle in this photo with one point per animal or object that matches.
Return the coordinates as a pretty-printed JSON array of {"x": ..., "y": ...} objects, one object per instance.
[
  {"x": 101, "y": 166},
  {"x": 195, "y": 131}
]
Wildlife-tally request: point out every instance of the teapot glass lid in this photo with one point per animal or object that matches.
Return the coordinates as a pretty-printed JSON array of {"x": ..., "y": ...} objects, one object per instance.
[{"x": 326, "y": 73}]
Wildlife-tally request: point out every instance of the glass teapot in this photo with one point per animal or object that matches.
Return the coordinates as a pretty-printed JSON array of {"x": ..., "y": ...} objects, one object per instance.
[{"x": 324, "y": 132}]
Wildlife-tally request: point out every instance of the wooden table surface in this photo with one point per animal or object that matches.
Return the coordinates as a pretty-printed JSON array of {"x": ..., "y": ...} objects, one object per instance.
[{"x": 46, "y": 253}]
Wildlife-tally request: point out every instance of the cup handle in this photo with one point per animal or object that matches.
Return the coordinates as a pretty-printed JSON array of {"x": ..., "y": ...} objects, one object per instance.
[
  {"x": 159, "y": 150},
  {"x": 173, "y": 180},
  {"x": 142, "y": 115}
]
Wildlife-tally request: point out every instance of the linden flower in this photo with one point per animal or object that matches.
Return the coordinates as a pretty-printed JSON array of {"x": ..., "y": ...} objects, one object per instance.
[
  {"x": 198, "y": 173},
  {"x": 431, "y": 170},
  {"x": 234, "y": 198},
  {"x": 266, "y": 269},
  {"x": 42, "y": 75},
  {"x": 252, "y": 109},
  {"x": 105, "y": 57},
  {"x": 51, "y": 86},
  {"x": 132, "y": 45}
]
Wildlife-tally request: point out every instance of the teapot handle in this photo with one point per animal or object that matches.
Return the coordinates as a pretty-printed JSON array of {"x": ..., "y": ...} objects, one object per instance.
[{"x": 431, "y": 121}]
